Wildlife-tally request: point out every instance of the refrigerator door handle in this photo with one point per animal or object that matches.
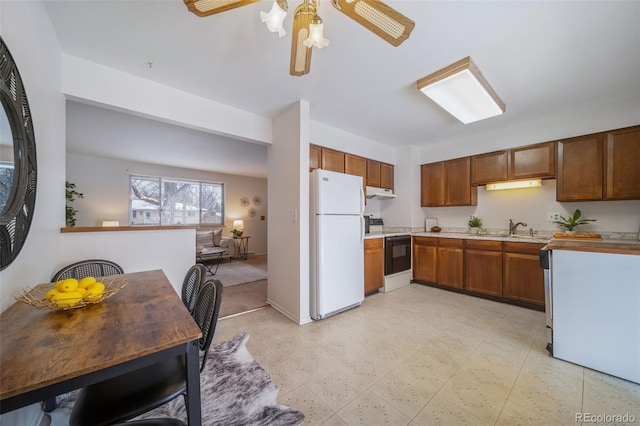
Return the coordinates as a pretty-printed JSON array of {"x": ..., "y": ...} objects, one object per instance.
[
  {"x": 362, "y": 198},
  {"x": 361, "y": 230}
]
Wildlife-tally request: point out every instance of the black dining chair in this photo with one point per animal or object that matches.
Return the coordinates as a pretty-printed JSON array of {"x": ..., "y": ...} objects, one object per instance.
[
  {"x": 88, "y": 268},
  {"x": 191, "y": 284},
  {"x": 132, "y": 394}
]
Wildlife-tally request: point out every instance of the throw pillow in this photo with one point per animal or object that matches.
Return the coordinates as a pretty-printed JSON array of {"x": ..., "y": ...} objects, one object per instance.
[
  {"x": 204, "y": 239},
  {"x": 217, "y": 237}
]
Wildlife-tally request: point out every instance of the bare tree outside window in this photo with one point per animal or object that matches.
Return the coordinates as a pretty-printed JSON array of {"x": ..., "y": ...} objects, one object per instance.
[{"x": 166, "y": 201}]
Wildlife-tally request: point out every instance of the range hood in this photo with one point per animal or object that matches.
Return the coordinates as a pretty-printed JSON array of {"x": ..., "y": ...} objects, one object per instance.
[{"x": 379, "y": 193}]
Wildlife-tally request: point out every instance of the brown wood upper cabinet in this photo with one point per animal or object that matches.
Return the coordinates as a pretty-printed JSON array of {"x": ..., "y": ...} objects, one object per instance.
[
  {"x": 315, "y": 157},
  {"x": 373, "y": 173},
  {"x": 602, "y": 166},
  {"x": 447, "y": 183},
  {"x": 386, "y": 176},
  {"x": 332, "y": 160},
  {"x": 355, "y": 165},
  {"x": 534, "y": 161}
]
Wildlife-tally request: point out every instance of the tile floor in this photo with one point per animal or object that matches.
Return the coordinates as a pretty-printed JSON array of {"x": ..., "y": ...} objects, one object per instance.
[{"x": 424, "y": 356}]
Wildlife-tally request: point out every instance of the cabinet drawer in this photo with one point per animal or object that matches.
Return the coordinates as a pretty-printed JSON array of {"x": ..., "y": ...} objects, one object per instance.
[
  {"x": 527, "y": 248},
  {"x": 484, "y": 245},
  {"x": 425, "y": 241},
  {"x": 450, "y": 242},
  {"x": 373, "y": 243}
]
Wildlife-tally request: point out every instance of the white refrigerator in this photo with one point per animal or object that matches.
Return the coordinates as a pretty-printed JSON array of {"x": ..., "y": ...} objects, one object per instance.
[{"x": 337, "y": 243}]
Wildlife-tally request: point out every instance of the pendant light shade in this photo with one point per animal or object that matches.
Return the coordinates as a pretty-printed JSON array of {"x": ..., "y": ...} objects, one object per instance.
[
  {"x": 316, "y": 38},
  {"x": 275, "y": 18}
]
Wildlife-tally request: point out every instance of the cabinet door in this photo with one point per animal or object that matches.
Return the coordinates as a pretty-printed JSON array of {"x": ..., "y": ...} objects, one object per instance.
[
  {"x": 315, "y": 157},
  {"x": 332, "y": 160},
  {"x": 535, "y": 161},
  {"x": 357, "y": 166},
  {"x": 483, "y": 267},
  {"x": 386, "y": 176},
  {"x": 373, "y": 173},
  {"x": 486, "y": 168},
  {"x": 458, "y": 189},
  {"x": 424, "y": 259},
  {"x": 580, "y": 168},
  {"x": 622, "y": 164},
  {"x": 432, "y": 185},
  {"x": 449, "y": 268},
  {"x": 373, "y": 265},
  {"x": 523, "y": 278}
]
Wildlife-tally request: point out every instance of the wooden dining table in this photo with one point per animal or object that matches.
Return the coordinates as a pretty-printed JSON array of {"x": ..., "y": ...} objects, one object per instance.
[{"x": 44, "y": 353}]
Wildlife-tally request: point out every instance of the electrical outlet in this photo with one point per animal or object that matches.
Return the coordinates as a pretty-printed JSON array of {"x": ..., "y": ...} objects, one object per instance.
[{"x": 551, "y": 217}]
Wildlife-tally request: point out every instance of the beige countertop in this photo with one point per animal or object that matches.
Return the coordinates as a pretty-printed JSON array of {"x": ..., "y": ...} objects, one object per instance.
[
  {"x": 493, "y": 237},
  {"x": 596, "y": 245}
]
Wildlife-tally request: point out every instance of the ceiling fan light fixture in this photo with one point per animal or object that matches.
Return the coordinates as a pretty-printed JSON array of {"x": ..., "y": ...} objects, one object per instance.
[
  {"x": 275, "y": 18},
  {"x": 462, "y": 91},
  {"x": 303, "y": 17},
  {"x": 316, "y": 36},
  {"x": 210, "y": 7}
]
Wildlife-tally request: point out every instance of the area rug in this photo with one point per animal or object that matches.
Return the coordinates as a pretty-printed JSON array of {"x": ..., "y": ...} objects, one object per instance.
[
  {"x": 235, "y": 391},
  {"x": 234, "y": 273}
]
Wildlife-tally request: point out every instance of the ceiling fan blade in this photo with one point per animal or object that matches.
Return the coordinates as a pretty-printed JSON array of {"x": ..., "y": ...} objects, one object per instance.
[
  {"x": 379, "y": 18},
  {"x": 211, "y": 7},
  {"x": 300, "y": 54}
]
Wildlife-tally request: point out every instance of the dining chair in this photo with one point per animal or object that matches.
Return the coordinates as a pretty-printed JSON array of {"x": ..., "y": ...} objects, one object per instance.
[
  {"x": 191, "y": 284},
  {"x": 132, "y": 394},
  {"x": 88, "y": 268}
]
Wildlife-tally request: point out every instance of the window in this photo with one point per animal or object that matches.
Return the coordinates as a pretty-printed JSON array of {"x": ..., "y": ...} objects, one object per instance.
[{"x": 168, "y": 201}]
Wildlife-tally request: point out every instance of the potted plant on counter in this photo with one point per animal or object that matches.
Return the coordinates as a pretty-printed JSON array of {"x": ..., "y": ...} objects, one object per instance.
[
  {"x": 474, "y": 224},
  {"x": 570, "y": 223}
]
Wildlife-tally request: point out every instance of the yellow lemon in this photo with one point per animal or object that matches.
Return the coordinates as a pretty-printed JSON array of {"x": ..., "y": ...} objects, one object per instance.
[
  {"x": 94, "y": 292},
  {"x": 82, "y": 291},
  {"x": 86, "y": 281},
  {"x": 51, "y": 293},
  {"x": 66, "y": 300},
  {"x": 70, "y": 284}
]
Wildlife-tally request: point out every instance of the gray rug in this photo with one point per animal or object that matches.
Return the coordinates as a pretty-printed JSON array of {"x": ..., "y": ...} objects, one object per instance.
[
  {"x": 234, "y": 273},
  {"x": 235, "y": 390}
]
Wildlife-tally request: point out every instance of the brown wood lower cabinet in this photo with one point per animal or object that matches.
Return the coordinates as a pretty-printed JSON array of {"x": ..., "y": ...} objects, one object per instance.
[
  {"x": 501, "y": 270},
  {"x": 483, "y": 267},
  {"x": 425, "y": 252},
  {"x": 373, "y": 265},
  {"x": 449, "y": 268},
  {"x": 523, "y": 277}
]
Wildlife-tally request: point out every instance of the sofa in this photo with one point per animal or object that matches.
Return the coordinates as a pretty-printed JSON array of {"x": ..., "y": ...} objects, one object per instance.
[{"x": 213, "y": 239}]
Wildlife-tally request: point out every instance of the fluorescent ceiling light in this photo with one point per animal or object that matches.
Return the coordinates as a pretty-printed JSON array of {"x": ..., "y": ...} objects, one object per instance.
[
  {"x": 514, "y": 184},
  {"x": 462, "y": 91},
  {"x": 108, "y": 223}
]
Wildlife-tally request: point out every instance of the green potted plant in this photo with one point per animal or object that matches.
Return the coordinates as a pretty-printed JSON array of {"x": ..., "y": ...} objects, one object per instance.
[
  {"x": 570, "y": 223},
  {"x": 72, "y": 195},
  {"x": 474, "y": 224}
]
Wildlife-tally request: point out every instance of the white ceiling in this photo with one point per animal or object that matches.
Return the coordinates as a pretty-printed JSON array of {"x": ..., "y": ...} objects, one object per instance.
[{"x": 541, "y": 57}]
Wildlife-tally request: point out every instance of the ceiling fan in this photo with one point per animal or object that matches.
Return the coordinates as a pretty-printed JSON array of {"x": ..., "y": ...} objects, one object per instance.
[{"x": 376, "y": 16}]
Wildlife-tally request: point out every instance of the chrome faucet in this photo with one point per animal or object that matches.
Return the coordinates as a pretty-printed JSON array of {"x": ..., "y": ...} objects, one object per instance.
[{"x": 514, "y": 226}]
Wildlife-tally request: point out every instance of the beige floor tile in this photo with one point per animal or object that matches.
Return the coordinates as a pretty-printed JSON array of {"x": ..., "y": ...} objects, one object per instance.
[
  {"x": 316, "y": 412},
  {"x": 516, "y": 415},
  {"x": 605, "y": 394},
  {"x": 557, "y": 396},
  {"x": 440, "y": 412},
  {"x": 407, "y": 392},
  {"x": 369, "y": 409},
  {"x": 336, "y": 387},
  {"x": 484, "y": 372},
  {"x": 283, "y": 377},
  {"x": 476, "y": 398},
  {"x": 335, "y": 421}
]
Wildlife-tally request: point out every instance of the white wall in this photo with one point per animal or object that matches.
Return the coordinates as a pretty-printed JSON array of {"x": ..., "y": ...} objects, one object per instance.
[
  {"x": 28, "y": 33},
  {"x": 171, "y": 250},
  {"x": 288, "y": 184},
  {"x": 105, "y": 185}
]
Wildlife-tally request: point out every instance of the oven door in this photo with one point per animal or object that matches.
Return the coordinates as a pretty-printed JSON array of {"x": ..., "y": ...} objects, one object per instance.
[{"x": 397, "y": 254}]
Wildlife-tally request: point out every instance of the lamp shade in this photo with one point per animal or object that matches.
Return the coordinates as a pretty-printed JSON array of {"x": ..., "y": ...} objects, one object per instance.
[
  {"x": 316, "y": 38},
  {"x": 238, "y": 224},
  {"x": 274, "y": 19},
  {"x": 462, "y": 91}
]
